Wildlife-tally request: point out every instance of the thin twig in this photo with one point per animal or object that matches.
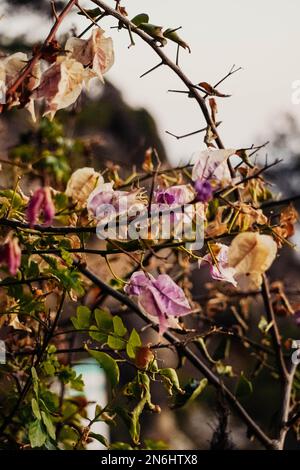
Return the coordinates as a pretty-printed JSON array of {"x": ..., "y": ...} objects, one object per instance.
[
  {"x": 190, "y": 355},
  {"x": 37, "y": 56},
  {"x": 274, "y": 329}
]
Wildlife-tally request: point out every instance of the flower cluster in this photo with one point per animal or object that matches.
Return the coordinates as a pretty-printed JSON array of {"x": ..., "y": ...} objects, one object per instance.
[{"x": 58, "y": 79}]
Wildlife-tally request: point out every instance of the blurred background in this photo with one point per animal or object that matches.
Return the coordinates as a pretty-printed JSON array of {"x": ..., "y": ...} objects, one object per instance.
[
  {"x": 260, "y": 37},
  {"x": 119, "y": 121}
]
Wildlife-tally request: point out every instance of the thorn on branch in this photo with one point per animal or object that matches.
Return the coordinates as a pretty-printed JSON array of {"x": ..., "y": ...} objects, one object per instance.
[
  {"x": 178, "y": 137},
  {"x": 86, "y": 14},
  {"x": 177, "y": 55},
  {"x": 53, "y": 8},
  {"x": 152, "y": 69}
]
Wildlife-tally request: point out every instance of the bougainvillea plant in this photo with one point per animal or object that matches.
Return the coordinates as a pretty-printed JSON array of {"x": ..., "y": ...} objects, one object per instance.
[{"x": 60, "y": 282}]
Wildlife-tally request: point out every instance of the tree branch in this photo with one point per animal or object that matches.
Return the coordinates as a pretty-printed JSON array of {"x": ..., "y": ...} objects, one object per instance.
[
  {"x": 188, "y": 352},
  {"x": 37, "y": 56},
  {"x": 168, "y": 62},
  {"x": 26, "y": 388},
  {"x": 274, "y": 330}
]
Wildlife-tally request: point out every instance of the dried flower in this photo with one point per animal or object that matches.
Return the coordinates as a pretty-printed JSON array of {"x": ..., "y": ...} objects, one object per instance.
[
  {"x": 96, "y": 52},
  {"x": 81, "y": 184},
  {"x": 251, "y": 254}
]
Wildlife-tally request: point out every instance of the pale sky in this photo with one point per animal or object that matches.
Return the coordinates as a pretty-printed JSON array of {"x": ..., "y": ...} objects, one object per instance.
[{"x": 260, "y": 36}]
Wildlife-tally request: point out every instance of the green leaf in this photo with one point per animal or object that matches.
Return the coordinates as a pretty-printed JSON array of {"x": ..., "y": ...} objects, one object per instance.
[
  {"x": 67, "y": 257},
  {"x": 36, "y": 434},
  {"x": 119, "y": 327},
  {"x": 77, "y": 383},
  {"x": 99, "y": 438},
  {"x": 97, "y": 335},
  {"x": 49, "y": 425},
  {"x": 139, "y": 19},
  {"x": 108, "y": 364},
  {"x": 35, "y": 409},
  {"x": 144, "y": 384},
  {"x": 93, "y": 12},
  {"x": 172, "y": 35},
  {"x": 192, "y": 391},
  {"x": 171, "y": 380},
  {"x": 16, "y": 201},
  {"x": 154, "y": 31},
  {"x": 104, "y": 326},
  {"x": 115, "y": 340},
  {"x": 48, "y": 368},
  {"x": 120, "y": 446},
  {"x": 116, "y": 343},
  {"x": 203, "y": 345},
  {"x": 224, "y": 369},
  {"x": 61, "y": 202},
  {"x": 33, "y": 269},
  {"x": 82, "y": 319},
  {"x": 69, "y": 278},
  {"x": 35, "y": 381},
  {"x": 104, "y": 320},
  {"x": 98, "y": 412},
  {"x": 263, "y": 325},
  {"x": 244, "y": 387},
  {"x": 202, "y": 385},
  {"x": 68, "y": 376},
  {"x": 150, "y": 444},
  {"x": 133, "y": 343}
]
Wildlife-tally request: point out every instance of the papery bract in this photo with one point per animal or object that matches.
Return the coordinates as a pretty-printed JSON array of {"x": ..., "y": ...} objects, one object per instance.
[
  {"x": 181, "y": 194},
  {"x": 204, "y": 190},
  {"x": 96, "y": 52},
  {"x": 251, "y": 254},
  {"x": 159, "y": 298},
  {"x": 81, "y": 184},
  {"x": 10, "y": 254},
  {"x": 10, "y": 68},
  {"x": 121, "y": 202},
  {"x": 219, "y": 267},
  {"x": 61, "y": 84},
  {"x": 212, "y": 165},
  {"x": 40, "y": 202}
]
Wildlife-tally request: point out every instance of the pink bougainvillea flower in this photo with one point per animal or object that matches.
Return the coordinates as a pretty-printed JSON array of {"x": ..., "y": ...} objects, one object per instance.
[
  {"x": 219, "y": 267},
  {"x": 96, "y": 53},
  {"x": 204, "y": 190},
  {"x": 41, "y": 201},
  {"x": 10, "y": 254},
  {"x": 161, "y": 299},
  {"x": 120, "y": 202},
  {"x": 181, "y": 194},
  {"x": 212, "y": 165}
]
